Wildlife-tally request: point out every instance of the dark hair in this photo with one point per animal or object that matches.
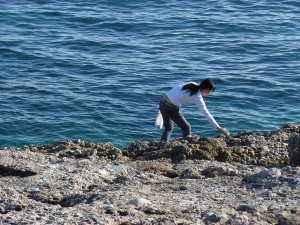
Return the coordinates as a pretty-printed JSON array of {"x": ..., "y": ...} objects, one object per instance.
[
  {"x": 207, "y": 84},
  {"x": 194, "y": 88},
  {"x": 191, "y": 88}
]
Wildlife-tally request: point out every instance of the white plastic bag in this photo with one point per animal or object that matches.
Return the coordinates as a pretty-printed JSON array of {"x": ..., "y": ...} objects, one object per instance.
[{"x": 159, "y": 122}]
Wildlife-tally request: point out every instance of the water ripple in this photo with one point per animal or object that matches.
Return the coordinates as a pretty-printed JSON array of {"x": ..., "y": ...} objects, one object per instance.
[{"x": 97, "y": 70}]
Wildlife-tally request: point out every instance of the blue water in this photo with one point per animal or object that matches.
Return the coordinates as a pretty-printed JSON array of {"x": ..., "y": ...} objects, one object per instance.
[{"x": 96, "y": 70}]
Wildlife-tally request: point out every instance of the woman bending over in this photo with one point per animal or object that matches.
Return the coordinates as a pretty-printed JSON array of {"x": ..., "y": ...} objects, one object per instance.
[{"x": 188, "y": 93}]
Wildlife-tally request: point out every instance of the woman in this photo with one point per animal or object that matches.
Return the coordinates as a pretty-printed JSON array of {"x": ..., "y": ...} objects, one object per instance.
[{"x": 188, "y": 93}]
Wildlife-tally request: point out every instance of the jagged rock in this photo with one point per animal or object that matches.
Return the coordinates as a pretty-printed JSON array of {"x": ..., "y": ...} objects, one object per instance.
[
  {"x": 214, "y": 171},
  {"x": 190, "y": 174},
  {"x": 257, "y": 177},
  {"x": 216, "y": 218},
  {"x": 221, "y": 180},
  {"x": 79, "y": 149},
  {"x": 256, "y": 208},
  {"x": 294, "y": 149},
  {"x": 247, "y": 147},
  {"x": 149, "y": 209}
]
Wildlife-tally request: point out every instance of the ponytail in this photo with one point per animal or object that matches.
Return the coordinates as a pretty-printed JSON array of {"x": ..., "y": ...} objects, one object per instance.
[{"x": 193, "y": 88}]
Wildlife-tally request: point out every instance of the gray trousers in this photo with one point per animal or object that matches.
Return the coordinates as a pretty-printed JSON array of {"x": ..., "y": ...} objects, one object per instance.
[{"x": 170, "y": 114}]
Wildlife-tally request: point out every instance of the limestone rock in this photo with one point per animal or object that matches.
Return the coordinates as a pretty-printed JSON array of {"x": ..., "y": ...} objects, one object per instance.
[
  {"x": 214, "y": 171},
  {"x": 139, "y": 202},
  {"x": 241, "y": 179},
  {"x": 247, "y": 147}
]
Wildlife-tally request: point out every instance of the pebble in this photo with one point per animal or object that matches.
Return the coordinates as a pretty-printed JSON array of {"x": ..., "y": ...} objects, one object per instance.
[
  {"x": 139, "y": 202},
  {"x": 216, "y": 218},
  {"x": 214, "y": 171},
  {"x": 256, "y": 208},
  {"x": 109, "y": 209},
  {"x": 194, "y": 181},
  {"x": 32, "y": 189},
  {"x": 274, "y": 172},
  {"x": 186, "y": 203},
  {"x": 297, "y": 183}
]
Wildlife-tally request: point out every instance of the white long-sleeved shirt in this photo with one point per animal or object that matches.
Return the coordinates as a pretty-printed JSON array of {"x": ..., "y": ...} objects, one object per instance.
[{"x": 178, "y": 97}]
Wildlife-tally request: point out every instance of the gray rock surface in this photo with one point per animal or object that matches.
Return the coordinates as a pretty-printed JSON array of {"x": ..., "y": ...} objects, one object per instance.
[{"x": 244, "y": 179}]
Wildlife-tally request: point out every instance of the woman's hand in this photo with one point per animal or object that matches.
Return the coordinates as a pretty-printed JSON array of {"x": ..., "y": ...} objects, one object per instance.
[{"x": 224, "y": 130}]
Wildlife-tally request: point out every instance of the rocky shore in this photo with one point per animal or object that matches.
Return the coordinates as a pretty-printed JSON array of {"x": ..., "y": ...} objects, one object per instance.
[{"x": 249, "y": 178}]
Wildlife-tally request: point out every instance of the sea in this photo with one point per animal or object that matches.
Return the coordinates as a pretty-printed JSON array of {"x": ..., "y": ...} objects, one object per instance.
[{"x": 95, "y": 70}]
